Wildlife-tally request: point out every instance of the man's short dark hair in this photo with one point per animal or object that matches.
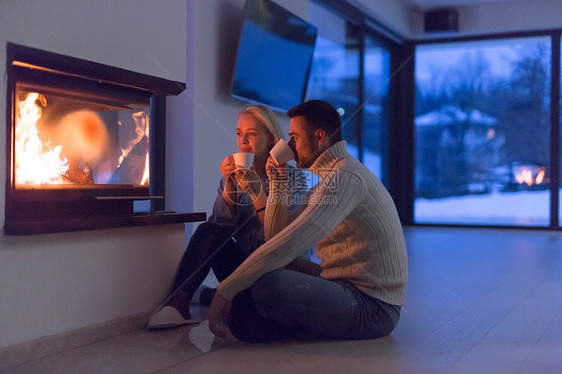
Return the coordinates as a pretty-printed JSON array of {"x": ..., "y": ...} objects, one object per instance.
[{"x": 320, "y": 115}]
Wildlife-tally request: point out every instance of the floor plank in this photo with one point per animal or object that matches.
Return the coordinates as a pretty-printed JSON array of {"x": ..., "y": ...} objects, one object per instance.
[
  {"x": 506, "y": 347},
  {"x": 547, "y": 352}
]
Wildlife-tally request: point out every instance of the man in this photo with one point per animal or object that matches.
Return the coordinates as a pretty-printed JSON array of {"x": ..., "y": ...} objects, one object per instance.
[{"x": 360, "y": 286}]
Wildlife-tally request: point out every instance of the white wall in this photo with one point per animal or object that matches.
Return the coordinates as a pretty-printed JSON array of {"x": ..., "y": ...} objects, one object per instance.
[
  {"x": 393, "y": 14},
  {"x": 498, "y": 17},
  {"x": 59, "y": 282}
]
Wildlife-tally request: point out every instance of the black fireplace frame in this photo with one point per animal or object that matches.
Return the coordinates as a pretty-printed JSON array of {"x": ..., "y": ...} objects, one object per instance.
[{"x": 36, "y": 211}]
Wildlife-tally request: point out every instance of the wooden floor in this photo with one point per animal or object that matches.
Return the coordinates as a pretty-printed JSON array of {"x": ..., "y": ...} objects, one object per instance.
[{"x": 478, "y": 301}]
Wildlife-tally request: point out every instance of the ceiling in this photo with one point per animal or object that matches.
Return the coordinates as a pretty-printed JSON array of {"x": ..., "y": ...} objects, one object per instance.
[{"x": 430, "y": 4}]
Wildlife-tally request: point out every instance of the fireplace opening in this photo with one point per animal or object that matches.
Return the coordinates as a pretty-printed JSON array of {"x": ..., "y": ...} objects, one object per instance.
[
  {"x": 65, "y": 141},
  {"x": 85, "y": 141}
]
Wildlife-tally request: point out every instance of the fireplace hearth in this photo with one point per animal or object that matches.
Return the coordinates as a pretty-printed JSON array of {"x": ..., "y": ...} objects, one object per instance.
[{"x": 85, "y": 141}]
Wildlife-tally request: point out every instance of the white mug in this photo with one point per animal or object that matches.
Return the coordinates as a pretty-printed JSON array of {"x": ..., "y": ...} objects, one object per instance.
[
  {"x": 243, "y": 160},
  {"x": 281, "y": 152}
]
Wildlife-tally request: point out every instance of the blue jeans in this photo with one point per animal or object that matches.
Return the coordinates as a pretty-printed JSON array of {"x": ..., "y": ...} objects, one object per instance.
[{"x": 288, "y": 304}]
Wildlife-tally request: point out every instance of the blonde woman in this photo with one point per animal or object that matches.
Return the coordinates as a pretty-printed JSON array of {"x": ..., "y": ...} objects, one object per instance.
[{"x": 236, "y": 227}]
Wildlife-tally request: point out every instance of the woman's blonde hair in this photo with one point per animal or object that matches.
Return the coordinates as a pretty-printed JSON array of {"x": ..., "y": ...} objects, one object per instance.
[{"x": 265, "y": 116}]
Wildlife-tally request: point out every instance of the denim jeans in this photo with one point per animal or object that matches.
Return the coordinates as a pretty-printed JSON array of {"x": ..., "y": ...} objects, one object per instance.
[{"x": 287, "y": 304}]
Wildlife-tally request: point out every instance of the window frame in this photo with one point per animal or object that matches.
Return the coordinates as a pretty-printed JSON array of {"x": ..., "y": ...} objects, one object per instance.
[{"x": 555, "y": 126}]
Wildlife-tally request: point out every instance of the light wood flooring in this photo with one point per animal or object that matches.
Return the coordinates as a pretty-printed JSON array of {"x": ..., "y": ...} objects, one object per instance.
[{"x": 478, "y": 301}]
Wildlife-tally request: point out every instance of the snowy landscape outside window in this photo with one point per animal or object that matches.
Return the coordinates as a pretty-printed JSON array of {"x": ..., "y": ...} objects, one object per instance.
[{"x": 482, "y": 132}]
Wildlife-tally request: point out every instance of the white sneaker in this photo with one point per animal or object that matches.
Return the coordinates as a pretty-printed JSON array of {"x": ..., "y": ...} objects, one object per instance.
[{"x": 169, "y": 317}]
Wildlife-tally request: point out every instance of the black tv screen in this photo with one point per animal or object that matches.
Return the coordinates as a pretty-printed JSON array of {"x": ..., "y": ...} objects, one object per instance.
[{"x": 274, "y": 56}]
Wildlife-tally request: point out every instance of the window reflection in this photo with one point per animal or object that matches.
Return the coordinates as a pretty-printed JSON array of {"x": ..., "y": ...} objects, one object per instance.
[
  {"x": 334, "y": 75},
  {"x": 375, "y": 107}
]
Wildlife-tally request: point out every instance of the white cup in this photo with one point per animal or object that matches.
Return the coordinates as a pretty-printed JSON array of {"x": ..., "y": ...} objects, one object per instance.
[
  {"x": 281, "y": 152},
  {"x": 243, "y": 160}
]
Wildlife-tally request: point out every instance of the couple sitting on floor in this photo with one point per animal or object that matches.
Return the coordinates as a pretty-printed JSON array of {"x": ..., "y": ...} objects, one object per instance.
[{"x": 264, "y": 220}]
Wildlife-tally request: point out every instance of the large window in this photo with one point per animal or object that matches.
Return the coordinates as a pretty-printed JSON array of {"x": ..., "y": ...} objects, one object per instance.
[
  {"x": 334, "y": 76},
  {"x": 482, "y": 132},
  {"x": 351, "y": 70},
  {"x": 485, "y": 147},
  {"x": 376, "y": 106}
]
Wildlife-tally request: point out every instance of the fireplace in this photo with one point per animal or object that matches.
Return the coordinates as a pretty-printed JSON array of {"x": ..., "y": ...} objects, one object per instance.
[{"x": 85, "y": 144}]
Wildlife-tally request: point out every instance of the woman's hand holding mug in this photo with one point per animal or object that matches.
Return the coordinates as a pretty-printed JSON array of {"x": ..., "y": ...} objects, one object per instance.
[{"x": 249, "y": 181}]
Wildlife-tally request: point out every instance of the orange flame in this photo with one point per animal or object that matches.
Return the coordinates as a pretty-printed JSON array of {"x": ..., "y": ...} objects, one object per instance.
[
  {"x": 33, "y": 165},
  {"x": 525, "y": 176},
  {"x": 540, "y": 177},
  {"x": 141, "y": 130},
  {"x": 146, "y": 174}
]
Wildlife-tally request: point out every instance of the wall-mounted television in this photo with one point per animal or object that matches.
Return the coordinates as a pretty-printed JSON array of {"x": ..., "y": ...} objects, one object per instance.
[{"x": 274, "y": 56}]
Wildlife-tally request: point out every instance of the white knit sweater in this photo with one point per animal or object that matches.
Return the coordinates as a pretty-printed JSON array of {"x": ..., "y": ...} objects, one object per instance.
[{"x": 353, "y": 220}]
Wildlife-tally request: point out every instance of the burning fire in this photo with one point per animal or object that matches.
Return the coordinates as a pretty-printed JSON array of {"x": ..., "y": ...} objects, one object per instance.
[
  {"x": 525, "y": 176},
  {"x": 141, "y": 130},
  {"x": 77, "y": 151},
  {"x": 146, "y": 175},
  {"x": 33, "y": 164}
]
